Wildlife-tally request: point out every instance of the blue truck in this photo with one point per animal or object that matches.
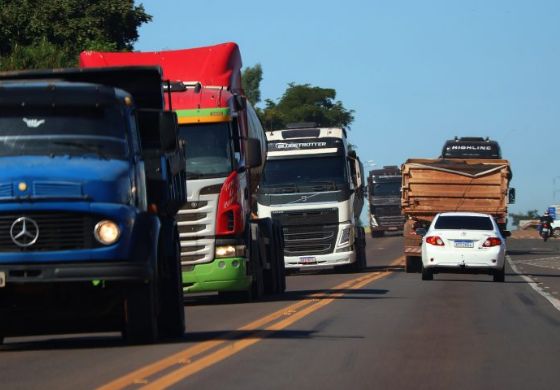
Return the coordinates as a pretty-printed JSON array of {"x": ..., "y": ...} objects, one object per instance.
[{"x": 92, "y": 176}]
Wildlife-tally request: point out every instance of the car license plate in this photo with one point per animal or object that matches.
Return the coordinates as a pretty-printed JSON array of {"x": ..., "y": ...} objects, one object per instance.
[
  {"x": 2, "y": 279},
  {"x": 464, "y": 244},
  {"x": 308, "y": 260}
]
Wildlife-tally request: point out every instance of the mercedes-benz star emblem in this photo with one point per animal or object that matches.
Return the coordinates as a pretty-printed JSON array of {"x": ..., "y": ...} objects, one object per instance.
[{"x": 24, "y": 232}]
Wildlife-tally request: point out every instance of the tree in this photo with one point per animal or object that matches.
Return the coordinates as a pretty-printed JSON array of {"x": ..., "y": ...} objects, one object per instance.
[
  {"x": 251, "y": 79},
  {"x": 531, "y": 214},
  {"x": 51, "y": 33},
  {"x": 304, "y": 103}
]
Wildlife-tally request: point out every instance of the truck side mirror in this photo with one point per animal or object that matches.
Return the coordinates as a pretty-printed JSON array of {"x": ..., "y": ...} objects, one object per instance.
[
  {"x": 158, "y": 129},
  {"x": 253, "y": 157},
  {"x": 168, "y": 131},
  {"x": 511, "y": 196}
]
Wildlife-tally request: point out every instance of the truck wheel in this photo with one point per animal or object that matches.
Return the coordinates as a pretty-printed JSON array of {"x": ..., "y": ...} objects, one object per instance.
[
  {"x": 256, "y": 291},
  {"x": 413, "y": 264},
  {"x": 271, "y": 277},
  {"x": 141, "y": 325},
  {"x": 377, "y": 233},
  {"x": 171, "y": 319},
  {"x": 279, "y": 251},
  {"x": 361, "y": 261}
]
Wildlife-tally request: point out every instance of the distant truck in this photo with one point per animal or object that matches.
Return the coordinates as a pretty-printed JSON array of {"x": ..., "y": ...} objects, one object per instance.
[
  {"x": 431, "y": 186},
  {"x": 224, "y": 246},
  {"x": 384, "y": 194},
  {"x": 92, "y": 178},
  {"x": 471, "y": 147},
  {"x": 313, "y": 185}
]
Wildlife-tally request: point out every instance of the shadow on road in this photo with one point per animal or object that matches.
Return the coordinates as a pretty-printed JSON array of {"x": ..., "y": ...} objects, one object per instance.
[{"x": 290, "y": 296}]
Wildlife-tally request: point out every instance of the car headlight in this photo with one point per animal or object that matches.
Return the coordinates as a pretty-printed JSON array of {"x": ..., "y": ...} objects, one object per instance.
[
  {"x": 225, "y": 251},
  {"x": 106, "y": 232}
]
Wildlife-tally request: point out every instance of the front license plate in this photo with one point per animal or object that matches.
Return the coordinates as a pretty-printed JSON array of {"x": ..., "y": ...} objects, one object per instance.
[
  {"x": 464, "y": 244},
  {"x": 2, "y": 279},
  {"x": 308, "y": 260}
]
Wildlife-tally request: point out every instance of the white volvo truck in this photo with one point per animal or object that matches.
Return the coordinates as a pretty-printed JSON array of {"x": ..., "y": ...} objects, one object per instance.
[{"x": 313, "y": 184}]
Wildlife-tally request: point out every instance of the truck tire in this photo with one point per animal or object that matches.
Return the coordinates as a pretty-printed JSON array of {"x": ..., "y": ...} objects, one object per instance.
[
  {"x": 268, "y": 244},
  {"x": 361, "y": 249},
  {"x": 377, "y": 233},
  {"x": 278, "y": 251},
  {"x": 413, "y": 264},
  {"x": 275, "y": 277},
  {"x": 141, "y": 325},
  {"x": 171, "y": 316}
]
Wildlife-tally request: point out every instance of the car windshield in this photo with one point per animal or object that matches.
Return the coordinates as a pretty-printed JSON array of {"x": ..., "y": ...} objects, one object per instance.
[
  {"x": 97, "y": 132},
  {"x": 463, "y": 222},
  {"x": 208, "y": 150},
  {"x": 298, "y": 172}
]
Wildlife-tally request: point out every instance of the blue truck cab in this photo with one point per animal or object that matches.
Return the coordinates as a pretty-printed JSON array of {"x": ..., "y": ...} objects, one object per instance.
[{"x": 91, "y": 178}]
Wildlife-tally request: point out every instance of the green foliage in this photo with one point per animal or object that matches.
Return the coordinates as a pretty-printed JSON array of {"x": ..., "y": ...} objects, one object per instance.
[
  {"x": 531, "y": 214},
  {"x": 251, "y": 79},
  {"x": 304, "y": 103},
  {"x": 61, "y": 29}
]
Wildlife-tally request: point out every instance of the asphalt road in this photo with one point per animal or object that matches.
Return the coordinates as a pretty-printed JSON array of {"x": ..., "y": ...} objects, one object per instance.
[{"x": 378, "y": 329}]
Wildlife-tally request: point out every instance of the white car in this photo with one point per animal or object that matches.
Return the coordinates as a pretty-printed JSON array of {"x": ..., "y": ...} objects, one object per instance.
[{"x": 461, "y": 242}]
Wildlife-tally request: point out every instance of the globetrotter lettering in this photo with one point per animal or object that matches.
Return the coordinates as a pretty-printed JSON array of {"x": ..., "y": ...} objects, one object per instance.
[{"x": 299, "y": 145}]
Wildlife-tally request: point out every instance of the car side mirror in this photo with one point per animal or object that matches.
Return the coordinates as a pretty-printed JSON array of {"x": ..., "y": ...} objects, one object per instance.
[
  {"x": 421, "y": 231},
  {"x": 506, "y": 233}
]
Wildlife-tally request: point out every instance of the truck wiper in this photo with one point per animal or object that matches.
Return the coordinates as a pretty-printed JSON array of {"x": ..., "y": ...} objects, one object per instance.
[
  {"x": 96, "y": 149},
  {"x": 284, "y": 188},
  {"x": 193, "y": 175},
  {"x": 323, "y": 185}
]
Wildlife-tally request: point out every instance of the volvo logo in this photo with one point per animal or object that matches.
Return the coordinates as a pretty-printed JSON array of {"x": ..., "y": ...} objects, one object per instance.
[{"x": 24, "y": 232}]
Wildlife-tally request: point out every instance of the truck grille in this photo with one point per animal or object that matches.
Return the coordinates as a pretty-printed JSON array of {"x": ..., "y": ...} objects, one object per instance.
[
  {"x": 308, "y": 232},
  {"x": 309, "y": 240},
  {"x": 387, "y": 211},
  {"x": 57, "y": 231}
]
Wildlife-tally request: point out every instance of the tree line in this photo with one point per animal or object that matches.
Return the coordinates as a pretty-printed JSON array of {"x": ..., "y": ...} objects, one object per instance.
[{"x": 43, "y": 34}]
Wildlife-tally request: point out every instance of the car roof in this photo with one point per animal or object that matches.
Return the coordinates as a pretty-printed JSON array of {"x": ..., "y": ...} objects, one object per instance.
[{"x": 463, "y": 214}]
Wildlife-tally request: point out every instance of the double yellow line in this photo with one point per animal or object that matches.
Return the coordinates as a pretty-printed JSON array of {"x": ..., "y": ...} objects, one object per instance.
[{"x": 183, "y": 364}]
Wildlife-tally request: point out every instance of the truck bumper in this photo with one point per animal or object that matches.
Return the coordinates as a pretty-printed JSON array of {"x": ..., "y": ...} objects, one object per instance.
[
  {"x": 220, "y": 275},
  {"x": 77, "y": 272},
  {"x": 315, "y": 261}
]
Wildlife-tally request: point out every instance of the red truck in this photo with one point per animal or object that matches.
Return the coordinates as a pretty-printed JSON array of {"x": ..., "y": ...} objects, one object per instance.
[{"x": 224, "y": 247}]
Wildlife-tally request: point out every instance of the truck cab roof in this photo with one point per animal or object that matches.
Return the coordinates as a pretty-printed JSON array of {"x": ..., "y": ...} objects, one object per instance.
[{"x": 471, "y": 147}]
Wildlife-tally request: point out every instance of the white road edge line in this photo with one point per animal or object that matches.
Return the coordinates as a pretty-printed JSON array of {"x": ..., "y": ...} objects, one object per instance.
[{"x": 554, "y": 301}]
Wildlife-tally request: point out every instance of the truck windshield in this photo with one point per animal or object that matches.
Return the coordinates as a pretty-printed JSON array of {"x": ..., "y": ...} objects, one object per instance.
[
  {"x": 386, "y": 189},
  {"x": 97, "y": 132},
  {"x": 208, "y": 150},
  {"x": 299, "y": 173}
]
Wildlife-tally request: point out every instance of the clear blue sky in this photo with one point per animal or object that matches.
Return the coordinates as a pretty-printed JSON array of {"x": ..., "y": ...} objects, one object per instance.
[{"x": 415, "y": 72}]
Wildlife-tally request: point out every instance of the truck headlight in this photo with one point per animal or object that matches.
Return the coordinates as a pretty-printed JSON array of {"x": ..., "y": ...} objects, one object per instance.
[
  {"x": 345, "y": 236},
  {"x": 106, "y": 232},
  {"x": 225, "y": 251}
]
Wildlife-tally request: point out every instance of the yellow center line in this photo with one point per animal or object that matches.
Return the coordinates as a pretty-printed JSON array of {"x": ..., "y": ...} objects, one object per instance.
[{"x": 183, "y": 359}]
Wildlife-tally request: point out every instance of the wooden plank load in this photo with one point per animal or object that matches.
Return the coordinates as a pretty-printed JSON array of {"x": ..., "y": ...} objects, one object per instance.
[{"x": 431, "y": 186}]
